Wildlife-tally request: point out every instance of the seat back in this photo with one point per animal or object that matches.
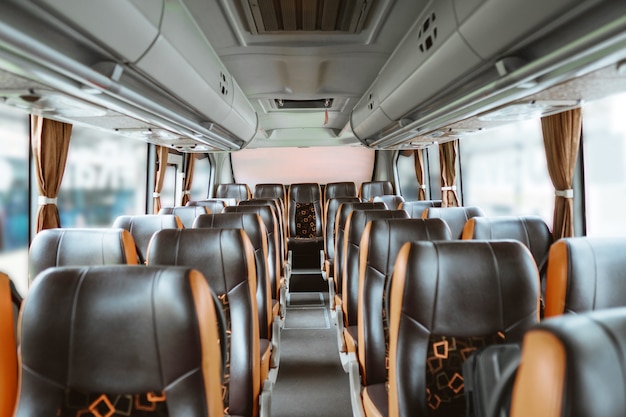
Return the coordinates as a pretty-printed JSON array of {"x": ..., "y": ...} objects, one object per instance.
[
  {"x": 186, "y": 214},
  {"x": 270, "y": 191},
  {"x": 573, "y": 366},
  {"x": 237, "y": 191},
  {"x": 305, "y": 211},
  {"x": 584, "y": 274},
  {"x": 456, "y": 217},
  {"x": 142, "y": 227},
  {"x": 416, "y": 208},
  {"x": 274, "y": 248},
  {"x": 214, "y": 205},
  {"x": 447, "y": 299},
  {"x": 252, "y": 224},
  {"x": 80, "y": 247},
  {"x": 339, "y": 189},
  {"x": 8, "y": 348},
  {"x": 380, "y": 244},
  {"x": 226, "y": 259},
  {"x": 392, "y": 202},
  {"x": 340, "y": 224},
  {"x": 532, "y": 231},
  {"x": 370, "y": 189},
  {"x": 123, "y": 340},
  {"x": 355, "y": 225},
  {"x": 330, "y": 215},
  {"x": 279, "y": 212}
]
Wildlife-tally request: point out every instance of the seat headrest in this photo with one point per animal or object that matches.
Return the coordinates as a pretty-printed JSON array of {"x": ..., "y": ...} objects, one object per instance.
[
  {"x": 120, "y": 330},
  {"x": 456, "y": 217},
  {"x": 188, "y": 214},
  {"x": 215, "y": 206},
  {"x": 416, "y": 208},
  {"x": 346, "y": 208},
  {"x": 392, "y": 202},
  {"x": 374, "y": 188},
  {"x": 573, "y": 366},
  {"x": 270, "y": 190},
  {"x": 142, "y": 227},
  {"x": 236, "y": 191},
  {"x": 81, "y": 247},
  {"x": 340, "y": 189},
  {"x": 305, "y": 193},
  {"x": 584, "y": 274}
]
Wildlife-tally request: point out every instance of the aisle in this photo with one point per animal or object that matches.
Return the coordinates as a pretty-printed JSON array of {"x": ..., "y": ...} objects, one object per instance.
[{"x": 311, "y": 381}]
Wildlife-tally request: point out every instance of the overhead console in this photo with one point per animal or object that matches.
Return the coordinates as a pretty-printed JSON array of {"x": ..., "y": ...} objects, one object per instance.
[
  {"x": 145, "y": 59},
  {"x": 463, "y": 57}
]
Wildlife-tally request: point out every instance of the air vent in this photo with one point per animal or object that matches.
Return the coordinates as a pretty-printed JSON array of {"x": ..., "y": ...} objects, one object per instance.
[
  {"x": 427, "y": 35},
  {"x": 223, "y": 84},
  {"x": 278, "y": 16},
  {"x": 281, "y": 104}
]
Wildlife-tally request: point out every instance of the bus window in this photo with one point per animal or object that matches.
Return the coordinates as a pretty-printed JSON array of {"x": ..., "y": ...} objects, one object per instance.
[
  {"x": 295, "y": 165},
  {"x": 407, "y": 179},
  {"x": 505, "y": 172},
  {"x": 14, "y": 196},
  {"x": 201, "y": 178},
  {"x": 604, "y": 139},
  {"x": 105, "y": 177}
]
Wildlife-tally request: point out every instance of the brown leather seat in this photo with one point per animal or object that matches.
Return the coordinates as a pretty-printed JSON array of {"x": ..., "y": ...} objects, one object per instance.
[
  {"x": 214, "y": 205},
  {"x": 585, "y": 273},
  {"x": 343, "y": 212},
  {"x": 279, "y": 212},
  {"x": 121, "y": 339},
  {"x": 339, "y": 189},
  {"x": 226, "y": 258},
  {"x": 380, "y": 244},
  {"x": 9, "y": 303},
  {"x": 254, "y": 228},
  {"x": 186, "y": 214},
  {"x": 330, "y": 216},
  {"x": 456, "y": 217},
  {"x": 305, "y": 227},
  {"x": 392, "y": 202},
  {"x": 275, "y": 262},
  {"x": 416, "y": 208},
  {"x": 447, "y": 299},
  {"x": 355, "y": 225},
  {"x": 370, "y": 189},
  {"x": 143, "y": 226},
  {"x": 237, "y": 191},
  {"x": 573, "y": 366},
  {"x": 270, "y": 191},
  {"x": 80, "y": 247}
]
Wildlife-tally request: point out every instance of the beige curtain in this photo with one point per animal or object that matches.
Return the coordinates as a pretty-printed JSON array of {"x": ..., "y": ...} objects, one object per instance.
[
  {"x": 419, "y": 172},
  {"x": 189, "y": 167},
  {"x": 447, "y": 163},
  {"x": 162, "y": 153},
  {"x": 561, "y": 138},
  {"x": 50, "y": 141}
]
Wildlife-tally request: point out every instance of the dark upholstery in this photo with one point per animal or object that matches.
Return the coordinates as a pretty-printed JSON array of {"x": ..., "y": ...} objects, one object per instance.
[
  {"x": 215, "y": 206},
  {"x": 305, "y": 194},
  {"x": 270, "y": 191},
  {"x": 120, "y": 330},
  {"x": 237, "y": 191},
  {"x": 279, "y": 212},
  {"x": 226, "y": 258},
  {"x": 8, "y": 348},
  {"x": 186, "y": 214},
  {"x": 416, "y": 208},
  {"x": 392, "y": 202},
  {"x": 80, "y": 247},
  {"x": 268, "y": 216},
  {"x": 355, "y": 225},
  {"x": 330, "y": 215},
  {"x": 471, "y": 293},
  {"x": 573, "y": 366},
  {"x": 228, "y": 201},
  {"x": 456, "y": 217},
  {"x": 339, "y": 189},
  {"x": 380, "y": 244},
  {"x": 584, "y": 274},
  {"x": 371, "y": 189},
  {"x": 342, "y": 217},
  {"x": 142, "y": 227},
  {"x": 252, "y": 224}
]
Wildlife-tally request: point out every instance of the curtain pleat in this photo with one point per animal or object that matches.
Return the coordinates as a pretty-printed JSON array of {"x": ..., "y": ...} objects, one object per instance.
[
  {"x": 419, "y": 172},
  {"x": 561, "y": 138},
  {"x": 447, "y": 163},
  {"x": 162, "y": 153},
  {"x": 50, "y": 141},
  {"x": 189, "y": 167}
]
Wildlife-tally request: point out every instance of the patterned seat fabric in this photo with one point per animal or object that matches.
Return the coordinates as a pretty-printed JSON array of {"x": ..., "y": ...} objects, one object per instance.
[
  {"x": 452, "y": 297},
  {"x": 305, "y": 218}
]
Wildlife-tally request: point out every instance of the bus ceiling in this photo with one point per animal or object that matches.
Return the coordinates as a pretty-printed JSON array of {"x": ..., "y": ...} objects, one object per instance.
[{"x": 202, "y": 76}]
